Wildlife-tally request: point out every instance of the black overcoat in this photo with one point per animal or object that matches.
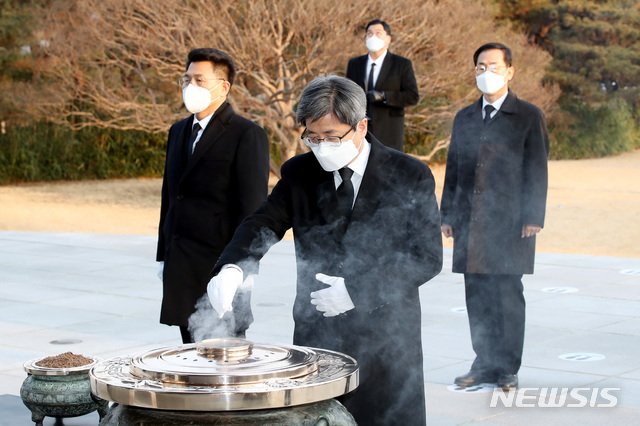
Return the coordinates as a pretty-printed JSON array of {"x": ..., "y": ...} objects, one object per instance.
[
  {"x": 495, "y": 182},
  {"x": 398, "y": 81},
  {"x": 390, "y": 247},
  {"x": 204, "y": 199}
]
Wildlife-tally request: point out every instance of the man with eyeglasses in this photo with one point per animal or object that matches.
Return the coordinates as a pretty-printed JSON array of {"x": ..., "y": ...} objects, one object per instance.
[
  {"x": 366, "y": 228},
  {"x": 389, "y": 82},
  {"x": 216, "y": 173},
  {"x": 493, "y": 204}
]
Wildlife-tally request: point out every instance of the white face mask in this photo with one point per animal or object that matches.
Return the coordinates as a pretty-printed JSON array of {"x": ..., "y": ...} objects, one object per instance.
[
  {"x": 197, "y": 99},
  {"x": 489, "y": 82},
  {"x": 332, "y": 158},
  {"x": 374, "y": 44}
]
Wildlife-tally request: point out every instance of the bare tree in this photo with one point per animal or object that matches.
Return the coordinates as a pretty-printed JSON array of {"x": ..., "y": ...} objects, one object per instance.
[{"x": 114, "y": 63}]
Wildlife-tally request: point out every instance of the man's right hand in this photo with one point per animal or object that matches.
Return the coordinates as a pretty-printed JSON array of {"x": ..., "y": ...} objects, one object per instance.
[
  {"x": 222, "y": 288},
  {"x": 447, "y": 230},
  {"x": 375, "y": 96}
]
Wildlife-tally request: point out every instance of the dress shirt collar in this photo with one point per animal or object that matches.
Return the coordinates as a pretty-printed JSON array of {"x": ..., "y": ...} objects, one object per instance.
[
  {"x": 377, "y": 61},
  {"x": 497, "y": 104},
  {"x": 203, "y": 123}
]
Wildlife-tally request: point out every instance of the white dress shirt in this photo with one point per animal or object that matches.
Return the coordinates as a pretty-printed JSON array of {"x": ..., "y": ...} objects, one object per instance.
[{"x": 376, "y": 70}]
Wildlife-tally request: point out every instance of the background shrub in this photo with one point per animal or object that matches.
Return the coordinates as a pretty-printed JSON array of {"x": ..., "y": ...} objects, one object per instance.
[
  {"x": 579, "y": 130},
  {"x": 46, "y": 152}
]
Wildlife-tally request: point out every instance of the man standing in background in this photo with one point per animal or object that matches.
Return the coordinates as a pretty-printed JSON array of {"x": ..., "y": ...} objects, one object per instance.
[
  {"x": 216, "y": 173},
  {"x": 493, "y": 205},
  {"x": 389, "y": 82}
]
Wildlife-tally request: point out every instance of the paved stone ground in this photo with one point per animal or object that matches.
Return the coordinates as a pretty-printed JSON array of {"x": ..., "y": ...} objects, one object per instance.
[{"x": 583, "y": 324}]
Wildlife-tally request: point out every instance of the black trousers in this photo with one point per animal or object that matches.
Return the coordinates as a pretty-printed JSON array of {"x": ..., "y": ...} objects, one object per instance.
[
  {"x": 186, "y": 335},
  {"x": 496, "y": 309}
]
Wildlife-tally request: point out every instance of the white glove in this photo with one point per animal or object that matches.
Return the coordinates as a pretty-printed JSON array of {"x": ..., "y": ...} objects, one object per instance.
[
  {"x": 160, "y": 270},
  {"x": 334, "y": 300},
  {"x": 222, "y": 288}
]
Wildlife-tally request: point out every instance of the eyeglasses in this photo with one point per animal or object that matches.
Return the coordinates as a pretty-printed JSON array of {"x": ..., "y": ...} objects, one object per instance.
[
  {"x": 333, "y": 141},
  {"x": 493, "y": 67},
  {"x": 378, "y": 34},
  {"x": 199, "y": 80}
]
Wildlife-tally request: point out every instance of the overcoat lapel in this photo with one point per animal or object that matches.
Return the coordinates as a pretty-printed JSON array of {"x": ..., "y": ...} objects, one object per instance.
[
  {"x": 327, "y": 199},
  {"x": 361, "y": 71},
  {"x": 371, "y": 187},
  {"x": 384, "y": 70},
  {"x": 509, "y": 106},
  {"x": 183, "y": 149},
  {"x": 214, "y": 131},
  {"x": 477, "y": 114}
]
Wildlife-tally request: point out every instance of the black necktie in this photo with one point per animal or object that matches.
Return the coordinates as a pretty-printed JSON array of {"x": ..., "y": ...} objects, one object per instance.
[
  {"x": 488, "y": 109},
  {"x": 345, "y": 192},
  {"x": 194, "y": 134},
  {"x": 370, "y": 85}
]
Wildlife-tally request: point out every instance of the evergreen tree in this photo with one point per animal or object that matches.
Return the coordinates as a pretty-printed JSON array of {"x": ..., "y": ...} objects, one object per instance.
[
  {"x": 594, "y": 44},
  {"x": 596, "y": 63}
]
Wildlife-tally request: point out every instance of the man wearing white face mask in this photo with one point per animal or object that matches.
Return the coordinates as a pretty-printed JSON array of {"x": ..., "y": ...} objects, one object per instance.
[
  {"x": 366, "y": 229},
  {"x": 493, "y": 205},
  {"x": 216, "y": 173},
  {"x": 389, "y": 82}
]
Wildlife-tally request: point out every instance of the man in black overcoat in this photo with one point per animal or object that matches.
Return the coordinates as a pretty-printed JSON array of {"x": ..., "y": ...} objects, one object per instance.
[
  {"x": 215, "y": 175},
  {"x": 493, "y": 205},
  {"x": 390, "y": 87},
  {"x": 366, "y": 230}
]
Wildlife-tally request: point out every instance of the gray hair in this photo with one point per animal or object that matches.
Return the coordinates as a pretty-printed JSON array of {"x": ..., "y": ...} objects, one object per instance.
[{"x": 332, "y": 95}]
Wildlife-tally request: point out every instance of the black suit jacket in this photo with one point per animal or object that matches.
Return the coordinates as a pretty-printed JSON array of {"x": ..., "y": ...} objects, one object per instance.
[
  {"x": 204, "y": 199},
  {"x": 398, "y": 82},
  {"x": 390, "y": 246},
  {"x": 495, "y": 182}
]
